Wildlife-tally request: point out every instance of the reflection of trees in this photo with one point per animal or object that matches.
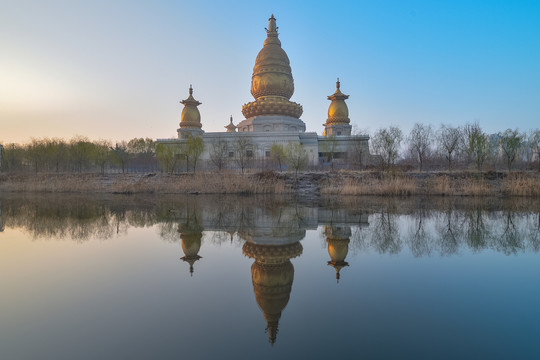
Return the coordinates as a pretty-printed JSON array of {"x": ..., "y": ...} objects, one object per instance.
[
  {"x": 477, "y": 232},
  {"x": 385, "y": 235},
  {"x": 420, "y": 242},
  {"x": 75, "y": 217},
  {"x": 510, "y": 239},
  {"x": 449, "y": 228},
  {"x": 533, "y": 227},
  {"x": 436, "y": 226}
]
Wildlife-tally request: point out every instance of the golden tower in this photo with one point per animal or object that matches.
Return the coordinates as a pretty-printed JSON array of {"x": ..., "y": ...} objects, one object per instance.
[
  {"x": 338, "y": 122},
  {"x": 272, "y": 86},
  {"x": 272, "y": 275},
  {"x": 190, "y": 120}
]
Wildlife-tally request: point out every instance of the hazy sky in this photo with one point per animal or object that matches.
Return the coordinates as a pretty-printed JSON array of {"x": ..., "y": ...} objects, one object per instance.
[{"x": 118, "y": 69}]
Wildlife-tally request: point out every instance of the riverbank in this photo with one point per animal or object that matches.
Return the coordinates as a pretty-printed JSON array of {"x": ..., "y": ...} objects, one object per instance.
[{"x": 305, "y": 184}]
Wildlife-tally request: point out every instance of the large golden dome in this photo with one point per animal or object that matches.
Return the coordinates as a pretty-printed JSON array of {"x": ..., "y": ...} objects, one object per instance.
[
  {"x": 272, "y": 84},
  {"x": 272, "y": 275}
]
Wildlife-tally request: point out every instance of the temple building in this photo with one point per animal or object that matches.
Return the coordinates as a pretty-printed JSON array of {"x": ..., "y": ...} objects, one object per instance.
[{"x": 273, "y": 119}]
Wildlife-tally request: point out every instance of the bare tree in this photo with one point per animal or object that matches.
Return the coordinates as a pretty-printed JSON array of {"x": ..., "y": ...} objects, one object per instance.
[
  {"x": 277, "y": 153},
  {"x": 328, "y": 148},
  {"x": 168, "y": 155},
  {"x": 194, "y": 149},
  {"x": 511, "y": 141},
  {"x": 532, "y": 147},
  {"x": 476, "y": 144},
  {"x": 296, "y": 157},
  {"x": 244, "y": 151},
  {"x": 219, "y": 153},
  {"x": 386, "y": 143},
  {"x": 448, "y": 139},
  {"x": 420, "y": 140},
  {"x": 101, "y": 154},
  {"x": 120, "y": 155}
]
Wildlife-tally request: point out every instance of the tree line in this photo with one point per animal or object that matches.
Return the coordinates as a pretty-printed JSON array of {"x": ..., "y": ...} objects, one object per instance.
[
  {"x": 79, "y": 154},
  {"x": 424, "y": 148},
  {"x": 453, "y": 148}
]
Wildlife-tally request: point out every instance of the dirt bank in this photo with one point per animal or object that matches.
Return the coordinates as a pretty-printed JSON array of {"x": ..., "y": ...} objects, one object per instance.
[{"x": 306, "y": 184}]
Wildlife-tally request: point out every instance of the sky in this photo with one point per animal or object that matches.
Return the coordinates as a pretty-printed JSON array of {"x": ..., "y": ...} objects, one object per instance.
[{"x": 117, "y": 70}]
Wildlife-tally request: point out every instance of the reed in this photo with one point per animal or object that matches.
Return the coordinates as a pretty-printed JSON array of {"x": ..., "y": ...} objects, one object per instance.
[
  {"x": 372, "y": 185},
  {"x": 200, "y": 183},
  {"x": 520, "y": 184},
  {"x": 460, "y": 186},
  {"x": 348, "y": 183}
]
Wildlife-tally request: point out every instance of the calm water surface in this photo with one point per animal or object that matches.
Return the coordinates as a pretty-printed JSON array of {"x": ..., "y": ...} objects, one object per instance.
[{"x": 207, "y": 277}]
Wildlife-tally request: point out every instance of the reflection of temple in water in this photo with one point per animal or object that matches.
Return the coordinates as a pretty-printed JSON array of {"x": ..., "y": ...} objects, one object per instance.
[
  {"x": 338, "y": 238},
  {"x": 271, "y": 236},
  {"x": 272, "y": 275},
  {"x": 191, "y": 235}
]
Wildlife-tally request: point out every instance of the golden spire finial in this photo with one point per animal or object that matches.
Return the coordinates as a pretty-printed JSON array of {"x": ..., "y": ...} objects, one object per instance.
[
  {"x": 272, "y": 28},
  {"x": 190, "y": 89},
  {"x": 337, "y": 84},
  {"x": 231, "y": 127}
]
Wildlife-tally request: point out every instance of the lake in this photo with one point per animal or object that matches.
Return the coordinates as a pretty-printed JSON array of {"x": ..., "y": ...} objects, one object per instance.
[{"x": 206, "y": 277}]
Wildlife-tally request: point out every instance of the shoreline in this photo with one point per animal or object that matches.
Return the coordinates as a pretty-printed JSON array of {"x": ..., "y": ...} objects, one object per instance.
[{"x": 305, "y": 184}]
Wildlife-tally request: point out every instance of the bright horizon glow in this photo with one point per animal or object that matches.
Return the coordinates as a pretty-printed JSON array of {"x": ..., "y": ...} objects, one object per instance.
[{"x": 118, "y": 70}]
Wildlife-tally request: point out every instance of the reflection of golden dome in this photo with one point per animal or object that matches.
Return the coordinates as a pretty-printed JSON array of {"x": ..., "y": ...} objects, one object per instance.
[
  {"x": 272, "y": 284},
  {"x": 190, "y": 118},
  {"x": 272, "y": 254},
  {"x": 338, "y": 112},
  {"x": 338, "y": 246},
  {"x": 191, "y": 244},
  {"x": 272, "y": 275},
  {"x": 272, "y": 84}
]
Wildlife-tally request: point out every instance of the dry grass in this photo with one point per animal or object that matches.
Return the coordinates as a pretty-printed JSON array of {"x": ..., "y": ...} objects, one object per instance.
[
  {"x": 335, "y": 183},
  {"x": 520, "y": 184},
  {"x": 200, "y": 183},
  {"x": 465, "y": 186},
  {"x": 372, "y": 185}
]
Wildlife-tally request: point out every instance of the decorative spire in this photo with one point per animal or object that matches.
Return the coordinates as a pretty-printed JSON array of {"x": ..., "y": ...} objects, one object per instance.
[
  {"x": 231, "y": 127},
  {"x": 190, "y": 101},
  {"x": 338, "y": 95},
  {"x": 272, "y": 28}
]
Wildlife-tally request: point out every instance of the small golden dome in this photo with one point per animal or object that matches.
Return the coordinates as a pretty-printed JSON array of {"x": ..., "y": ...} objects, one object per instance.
[
  {"x": 231, "y": 127},
  {"x": 338, "y": 112},
  {"x": 190, "y": 118}
]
